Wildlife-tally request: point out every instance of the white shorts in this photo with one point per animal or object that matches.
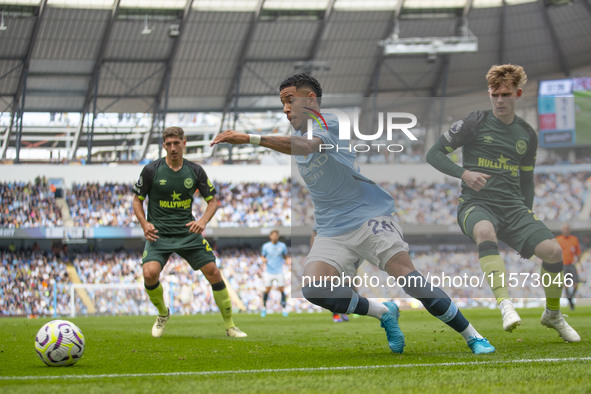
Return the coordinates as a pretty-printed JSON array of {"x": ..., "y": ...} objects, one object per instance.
[
  {"x": 268, "y": 279},
  {"x": 376, "y": 241}
]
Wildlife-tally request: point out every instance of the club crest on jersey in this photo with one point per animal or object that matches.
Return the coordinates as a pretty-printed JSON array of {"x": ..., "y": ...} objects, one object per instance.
[
  {"x": 487, "y": 139},
  {"x": 521, "y": 147},
  {"x": 162, "y": 182},
  {"x": 188, "y": 183}
]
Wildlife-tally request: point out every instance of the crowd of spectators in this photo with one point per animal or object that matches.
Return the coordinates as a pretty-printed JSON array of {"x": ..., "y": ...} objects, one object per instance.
[
  {"x": 27, "y": 281},
  {"x": 34, "y": 282},
  {"x": 254, "y": 204},
  {"x": 28, "y": 204},
  {"x": 240, "y": 205},
  {"x": 425, "y": 202},
  {"x": 559, "y": 196},
  {"x": 93, "y": 204}
]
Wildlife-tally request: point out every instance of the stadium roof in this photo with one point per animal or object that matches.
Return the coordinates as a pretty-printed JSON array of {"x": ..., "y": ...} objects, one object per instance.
[{"x": 225, "y": 54}]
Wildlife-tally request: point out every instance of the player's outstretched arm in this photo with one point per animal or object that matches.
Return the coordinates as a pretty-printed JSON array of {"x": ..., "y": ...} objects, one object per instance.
[
  {"x": 290, "y": 145},
  {"x": 149, "y": 229}
]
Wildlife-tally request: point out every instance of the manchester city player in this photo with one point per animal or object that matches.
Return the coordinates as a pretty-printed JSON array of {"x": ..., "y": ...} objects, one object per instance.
[
  {"x": 354, "y": 221},
  {"x": 170, "y": 183},
  {"x": 499, "y": 154},
  {"x": 274, "y": 256}
]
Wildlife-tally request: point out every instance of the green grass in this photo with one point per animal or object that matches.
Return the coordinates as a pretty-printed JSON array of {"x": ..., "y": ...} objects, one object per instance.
[{"x": 123, "y": 345}]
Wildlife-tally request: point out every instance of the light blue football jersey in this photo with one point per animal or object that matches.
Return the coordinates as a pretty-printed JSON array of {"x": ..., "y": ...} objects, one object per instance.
[
  {"x": 275, "y": 255},
  {"x": 343, "y": 198}
]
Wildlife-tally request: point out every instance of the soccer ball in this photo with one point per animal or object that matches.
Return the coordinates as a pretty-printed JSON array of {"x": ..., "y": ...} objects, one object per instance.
[{"x": 59, "y": 343}]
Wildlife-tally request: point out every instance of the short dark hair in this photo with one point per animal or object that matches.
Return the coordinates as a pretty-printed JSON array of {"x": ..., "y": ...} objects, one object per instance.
[
  {"x": 173, "y": 132},
  {"x": 303, "y": 80}
]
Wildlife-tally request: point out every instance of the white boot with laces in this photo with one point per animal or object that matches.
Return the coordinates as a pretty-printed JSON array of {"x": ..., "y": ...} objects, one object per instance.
[
  {"x": 555, "y": 320},
  {"x": 159, "y": 325}
]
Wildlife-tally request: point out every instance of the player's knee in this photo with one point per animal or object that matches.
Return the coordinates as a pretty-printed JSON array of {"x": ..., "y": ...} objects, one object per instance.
[
  {"x": 549, "y": 251},
  {"x": 555, "y": 253},
  {"x": 211, "y": 273},
  {"x": 484, "y": 233},
  {"x": 151, "y": 274}
]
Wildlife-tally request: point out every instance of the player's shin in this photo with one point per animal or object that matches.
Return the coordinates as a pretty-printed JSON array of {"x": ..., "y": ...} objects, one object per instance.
[
  {"x": 223, "y": 301},
  {"x": 438, "y": 304},
  {"x": 156, "y": 294},
  {"x": 493, "y": 267},
  {"x": 552, "y": 281}
]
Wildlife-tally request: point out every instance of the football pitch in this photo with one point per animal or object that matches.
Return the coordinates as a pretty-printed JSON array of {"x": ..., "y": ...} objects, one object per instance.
[{"x": 301, "y": 353}]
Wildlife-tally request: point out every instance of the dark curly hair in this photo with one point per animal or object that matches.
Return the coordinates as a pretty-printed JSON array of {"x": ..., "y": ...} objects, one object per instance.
[{"x": 303, "y": 80}]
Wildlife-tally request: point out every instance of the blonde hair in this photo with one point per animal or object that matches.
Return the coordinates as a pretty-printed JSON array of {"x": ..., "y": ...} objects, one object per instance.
[
  {"x": 506, "y": 74},
  {"x": 173, "y": 131}
]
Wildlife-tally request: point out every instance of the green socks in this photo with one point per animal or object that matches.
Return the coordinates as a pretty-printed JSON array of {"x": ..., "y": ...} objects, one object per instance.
[
  {"x": 224, "y": 303},
  {"x": 493, "y": 267},
  {"x": 550, "y": 277},
  {"x": 156, "y": 294}
]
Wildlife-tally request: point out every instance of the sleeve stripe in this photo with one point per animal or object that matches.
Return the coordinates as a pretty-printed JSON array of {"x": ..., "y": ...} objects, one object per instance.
[
  {"x": 141, "y": 197},
  {"x": 526, "y": 168},
  {"x": 449, "y": 149},
  {"x": 208, "y": 198}
]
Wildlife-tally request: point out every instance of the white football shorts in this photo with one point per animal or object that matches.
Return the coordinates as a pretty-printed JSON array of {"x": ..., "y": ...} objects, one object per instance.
[
  {"x": 376, "y": 241},
  {"x": 268, "y": 279}
]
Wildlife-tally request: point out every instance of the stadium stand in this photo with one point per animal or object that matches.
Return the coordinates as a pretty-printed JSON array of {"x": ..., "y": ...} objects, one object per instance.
[
  {"x": 559, "y": 196},
  {"x": 33, "y": 283},
  {"x": 92, "y": 204},
  {"x": 26, "y": 204},
  {"x": 37, "y": 283}
]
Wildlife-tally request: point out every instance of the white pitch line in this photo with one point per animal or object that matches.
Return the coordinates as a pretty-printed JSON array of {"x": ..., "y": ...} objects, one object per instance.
[{"x": 315, "y": 369}]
